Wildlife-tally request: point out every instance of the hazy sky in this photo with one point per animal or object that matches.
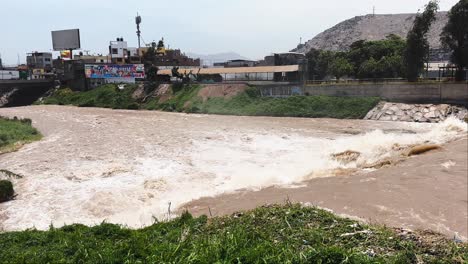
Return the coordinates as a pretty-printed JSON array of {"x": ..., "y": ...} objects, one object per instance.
[{"x": 252, "y": 28}]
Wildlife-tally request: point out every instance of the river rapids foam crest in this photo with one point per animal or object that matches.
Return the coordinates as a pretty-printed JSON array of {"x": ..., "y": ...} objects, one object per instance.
[{"x": 133, "y": 192}]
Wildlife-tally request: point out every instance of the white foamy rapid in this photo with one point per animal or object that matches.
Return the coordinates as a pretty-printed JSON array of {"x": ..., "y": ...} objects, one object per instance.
[{"x": 133, "y": 191}]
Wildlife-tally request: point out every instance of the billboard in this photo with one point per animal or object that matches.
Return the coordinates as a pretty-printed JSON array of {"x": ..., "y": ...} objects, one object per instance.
[
  {"x": 66, "y": 39},
  {"x": 111, "y": 71},
  {"x": 65, "y": 54}
]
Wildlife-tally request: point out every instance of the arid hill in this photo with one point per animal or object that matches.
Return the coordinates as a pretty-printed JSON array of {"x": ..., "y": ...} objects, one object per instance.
[{"x": 373, "y": 27}]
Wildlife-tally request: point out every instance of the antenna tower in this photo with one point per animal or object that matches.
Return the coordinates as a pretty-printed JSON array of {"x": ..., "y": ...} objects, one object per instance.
[{"x": 138, "y": 22}]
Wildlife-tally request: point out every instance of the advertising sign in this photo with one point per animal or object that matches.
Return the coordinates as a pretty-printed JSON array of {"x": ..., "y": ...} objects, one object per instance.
[
  {"x": 66, "y": 39},
  {"x": 111, "y": 71},
  {"x": 65, "y": 54}
]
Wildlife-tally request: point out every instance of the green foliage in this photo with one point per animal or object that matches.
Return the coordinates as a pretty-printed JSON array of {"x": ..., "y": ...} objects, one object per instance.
[
  {"x": 417, "y": 51},
  {"x": 318, "y": 63},
  {"x": 6, "y": 191},
  {"x": 455, "y": 37},
  {"x": 340, "y": 67},
  {"x": 294, "y": 106},
  {"x": 107, "y": 96},
  {"x": 378, "y": 59},
  {"x": 275, "y": 234},
  {"x": 250, "y": 103},
  {"x": 364, "y": 60},
  {"x": 13, "y": 131}
]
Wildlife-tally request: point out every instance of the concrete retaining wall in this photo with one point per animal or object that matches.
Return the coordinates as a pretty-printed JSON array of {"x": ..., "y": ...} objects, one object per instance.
[{"x": 430, "y": 93}]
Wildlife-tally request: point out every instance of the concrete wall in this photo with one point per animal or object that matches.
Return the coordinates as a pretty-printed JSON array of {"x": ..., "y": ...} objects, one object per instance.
[{"x": 450, "y": 93}]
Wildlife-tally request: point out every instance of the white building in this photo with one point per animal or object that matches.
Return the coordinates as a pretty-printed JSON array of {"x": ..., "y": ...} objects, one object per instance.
[{"x": 118, "y": 51}]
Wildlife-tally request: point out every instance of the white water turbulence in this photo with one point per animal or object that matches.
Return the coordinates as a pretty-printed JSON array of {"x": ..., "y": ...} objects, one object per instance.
[{"x": 134, "y": 192}]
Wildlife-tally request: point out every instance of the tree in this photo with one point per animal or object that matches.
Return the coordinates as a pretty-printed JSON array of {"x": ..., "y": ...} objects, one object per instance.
[
  {"x": 455, "y": 37},
  {"x": 148, "y": 60},
  {"x": 340, "y": 67},
  {"x": 417, "y": 51},
  {"x": 368, "y": 69},
  {"x": 386, "y": 55}
]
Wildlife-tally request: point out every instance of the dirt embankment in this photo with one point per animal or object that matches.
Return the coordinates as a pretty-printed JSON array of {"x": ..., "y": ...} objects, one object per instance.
[{"x": 221, "y": 90}]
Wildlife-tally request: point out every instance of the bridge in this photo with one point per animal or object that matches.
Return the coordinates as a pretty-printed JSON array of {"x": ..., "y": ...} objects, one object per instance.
[{"x": 22, "y": 92}]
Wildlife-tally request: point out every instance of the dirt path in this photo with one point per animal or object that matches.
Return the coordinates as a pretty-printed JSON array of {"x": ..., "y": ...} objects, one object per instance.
[{"x": 128, "y": 167}]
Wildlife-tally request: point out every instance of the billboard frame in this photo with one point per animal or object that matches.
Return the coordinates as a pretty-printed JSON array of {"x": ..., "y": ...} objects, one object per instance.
[{"x": 56, "y": 36}]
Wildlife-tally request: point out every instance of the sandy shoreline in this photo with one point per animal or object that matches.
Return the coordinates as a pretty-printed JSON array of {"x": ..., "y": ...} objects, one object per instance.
[{"x": 126, "y": 167}]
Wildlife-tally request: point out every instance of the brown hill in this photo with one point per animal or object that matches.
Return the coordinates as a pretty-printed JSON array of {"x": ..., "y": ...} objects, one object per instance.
[{"x": 373, "y": 27}]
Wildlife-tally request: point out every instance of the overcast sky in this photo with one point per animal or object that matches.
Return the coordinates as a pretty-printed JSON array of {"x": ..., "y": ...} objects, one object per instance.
[{"x": 252, "y": 28}]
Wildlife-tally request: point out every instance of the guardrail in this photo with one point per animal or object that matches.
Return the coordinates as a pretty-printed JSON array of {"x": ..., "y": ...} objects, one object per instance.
[{"x": 378, "y": 81}]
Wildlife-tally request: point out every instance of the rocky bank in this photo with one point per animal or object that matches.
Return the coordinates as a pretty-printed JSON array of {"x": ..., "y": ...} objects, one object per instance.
[{"x": 422, "y": 113}]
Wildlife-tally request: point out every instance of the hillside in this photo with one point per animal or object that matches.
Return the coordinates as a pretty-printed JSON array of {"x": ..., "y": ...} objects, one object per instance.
[{"x": 370, "y": 27}]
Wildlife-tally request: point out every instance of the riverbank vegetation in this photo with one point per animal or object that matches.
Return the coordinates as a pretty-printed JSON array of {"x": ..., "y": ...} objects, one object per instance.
[
  {"x": 16, "y": 132},
  {"x": 364, "y": 60},
  {"x": 274, "y": 234},
  {"x": 185, "y": 98},
  {"x": 106, "y": 96},
  {"x": 250, "y": 103}
]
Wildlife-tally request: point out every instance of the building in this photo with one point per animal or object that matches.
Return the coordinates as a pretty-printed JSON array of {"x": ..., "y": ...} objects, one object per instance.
[
  {"x": 92, "y": 58},
  {"x": 118, "y": 51},
  {"x": 240, "y": 63},
  {"x": 133, "y": 55},
  {"x": 39, "y": 60},
  {"x": 286, "y": 73},
  {"x": 167, "y": 58},
  {"x": 286, "y": 58}
]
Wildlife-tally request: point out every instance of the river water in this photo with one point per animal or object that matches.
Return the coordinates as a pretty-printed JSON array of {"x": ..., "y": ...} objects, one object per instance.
[{"x": 130, "y": 167}]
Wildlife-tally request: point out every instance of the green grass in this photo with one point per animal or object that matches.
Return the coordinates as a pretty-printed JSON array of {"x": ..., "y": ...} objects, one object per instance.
[
  {"x": 250, "y": 103},
  {"x": 106, "y": 96},
  {"x": 16, "y": 132},
  {"x": 276, "y": 234},
  {"x": 295, "y": 106}
]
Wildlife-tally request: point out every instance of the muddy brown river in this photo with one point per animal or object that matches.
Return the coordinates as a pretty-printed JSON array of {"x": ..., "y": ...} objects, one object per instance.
[{"x": 129, "y": 167}]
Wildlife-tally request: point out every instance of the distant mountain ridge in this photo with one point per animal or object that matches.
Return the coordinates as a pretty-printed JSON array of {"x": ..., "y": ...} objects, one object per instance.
[
  {"x": 218, "y": 57},
  {"x": 372, "y": 27}
]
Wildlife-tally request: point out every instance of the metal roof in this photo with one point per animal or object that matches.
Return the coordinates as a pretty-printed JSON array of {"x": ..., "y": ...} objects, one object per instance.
[{"x": 263, "y": 69}]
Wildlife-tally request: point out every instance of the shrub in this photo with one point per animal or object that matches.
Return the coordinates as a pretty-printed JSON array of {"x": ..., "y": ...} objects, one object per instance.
[{"x": 6, "y": 191}]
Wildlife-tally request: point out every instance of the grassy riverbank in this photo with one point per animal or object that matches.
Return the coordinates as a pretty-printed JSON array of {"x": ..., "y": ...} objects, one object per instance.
[
  {"x": 289, "y": 234},
  {"x": 247, "y": 103},
  {"x": 106, "y": 96},
  {"x": 250, "y": 103},
  {"x": 16, "y": 132}
]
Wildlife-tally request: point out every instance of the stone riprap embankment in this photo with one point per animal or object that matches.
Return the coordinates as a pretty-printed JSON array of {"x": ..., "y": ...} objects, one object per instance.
[{"x": 423, "y": 113}]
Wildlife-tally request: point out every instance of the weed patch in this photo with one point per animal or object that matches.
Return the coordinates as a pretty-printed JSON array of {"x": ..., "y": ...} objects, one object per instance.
[
  {"x": 274, "y": 234},
  {"x": 16, "y": 132}
]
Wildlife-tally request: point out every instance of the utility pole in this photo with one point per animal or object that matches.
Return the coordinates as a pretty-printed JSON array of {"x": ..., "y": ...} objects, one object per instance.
[
  {"x": 138, "y": 22},
  {"x": 373, "y": 11}
]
